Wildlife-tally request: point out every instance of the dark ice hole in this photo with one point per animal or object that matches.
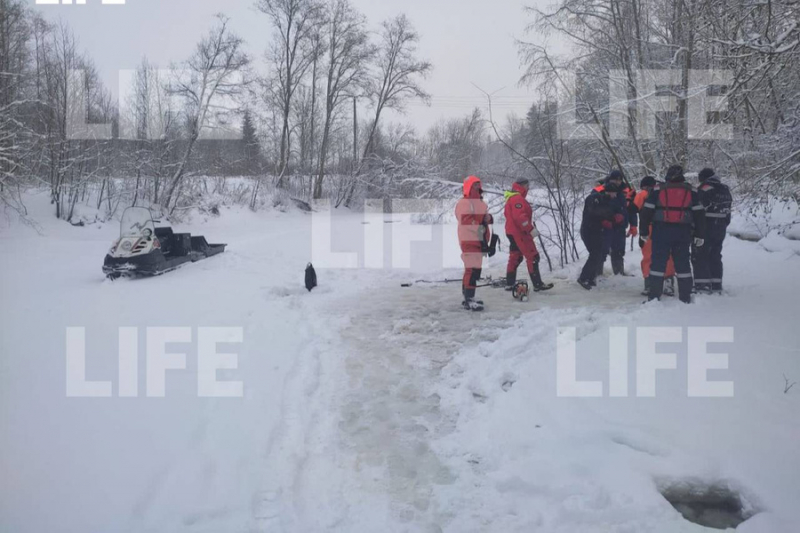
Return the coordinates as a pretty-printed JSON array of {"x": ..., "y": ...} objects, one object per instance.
[{"x": 711, "y": 505}]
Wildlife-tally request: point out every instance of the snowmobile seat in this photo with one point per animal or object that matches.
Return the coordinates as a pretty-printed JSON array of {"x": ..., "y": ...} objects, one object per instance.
[
  {"x": 164, "y": 232},
  {"x": 165, "y": 236},
  {"x": 182, "y": 244}
]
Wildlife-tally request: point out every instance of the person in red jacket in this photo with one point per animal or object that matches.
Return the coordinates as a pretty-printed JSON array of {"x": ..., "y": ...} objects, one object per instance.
[
  {"x": 472, "y": 215},
  {"x": 521, "y": 231}
]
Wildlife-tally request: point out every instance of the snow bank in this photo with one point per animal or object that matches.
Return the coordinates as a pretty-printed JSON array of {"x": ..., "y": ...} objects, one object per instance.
[
  {"x": 177, "y": 463},
  {"x": 529, "y": 459}
]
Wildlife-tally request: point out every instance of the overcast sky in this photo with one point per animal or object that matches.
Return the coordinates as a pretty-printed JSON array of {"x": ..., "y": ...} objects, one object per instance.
[{"x": 468, "y": 41}]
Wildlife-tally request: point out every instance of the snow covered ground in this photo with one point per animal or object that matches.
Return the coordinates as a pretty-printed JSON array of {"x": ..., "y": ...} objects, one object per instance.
[{"x": 372, "y": 407}]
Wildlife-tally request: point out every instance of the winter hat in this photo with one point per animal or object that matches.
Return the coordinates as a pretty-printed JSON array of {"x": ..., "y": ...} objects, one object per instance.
[
  {"x": 615, "y": 175},
  {"x": 469, "y": 182},
  {"x": 611, "y": 187},
  {"x": 705, "y": 174},
  {"x": 675, "y": 173},
  {"x": 523, "y": 181},
  {"x": 647, "y": 181}
]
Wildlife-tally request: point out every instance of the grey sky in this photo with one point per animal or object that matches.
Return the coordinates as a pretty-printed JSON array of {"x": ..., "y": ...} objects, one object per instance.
[{"x": 468, "y": 41}]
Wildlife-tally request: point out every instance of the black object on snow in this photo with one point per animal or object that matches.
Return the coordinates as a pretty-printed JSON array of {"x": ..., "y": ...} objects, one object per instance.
[{"x": 311, "y": 277}]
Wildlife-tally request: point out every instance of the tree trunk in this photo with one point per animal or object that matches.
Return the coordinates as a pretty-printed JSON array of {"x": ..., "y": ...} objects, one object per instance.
[{"x": 323, "y": 153}]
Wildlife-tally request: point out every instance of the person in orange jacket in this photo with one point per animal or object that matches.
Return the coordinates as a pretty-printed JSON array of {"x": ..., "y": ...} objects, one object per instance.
[
  {"x": 647, "y": 185},
  {"x": 472, "y": 215},
  {"x": 521, "y": 232}
]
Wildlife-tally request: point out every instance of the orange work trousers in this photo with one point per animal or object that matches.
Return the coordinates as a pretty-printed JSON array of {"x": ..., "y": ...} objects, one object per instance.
[{"x": 647, "y": 259}]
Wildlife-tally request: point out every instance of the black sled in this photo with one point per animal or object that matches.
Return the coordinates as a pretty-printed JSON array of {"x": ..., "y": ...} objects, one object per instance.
[{"x": 146, "y": 250}]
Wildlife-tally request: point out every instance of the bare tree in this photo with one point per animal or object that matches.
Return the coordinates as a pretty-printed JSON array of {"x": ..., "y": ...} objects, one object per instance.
[
  {"x": 211, "y": 74},
  {"x": 149, "y": 117},
  {"x": 398, "y": 72},
  {"x": 348, "y": 52},
  {"x": 292, "y": 53},
  {"x": 455, "y": 147}
]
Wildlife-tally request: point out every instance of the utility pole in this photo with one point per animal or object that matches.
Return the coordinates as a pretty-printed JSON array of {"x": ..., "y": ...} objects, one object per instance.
[{"x": 355, "y": 136}]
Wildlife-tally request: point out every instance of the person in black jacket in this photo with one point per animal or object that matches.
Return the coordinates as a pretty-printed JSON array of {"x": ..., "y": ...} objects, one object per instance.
[
  {"x": 716, "y": 198},
  {"x": 599, "y": 214},
  {"x": 674, "y": 219}
]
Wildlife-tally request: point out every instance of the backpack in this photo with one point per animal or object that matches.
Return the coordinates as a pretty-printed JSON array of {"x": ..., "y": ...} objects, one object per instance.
[{"x": 311, "y": 277}]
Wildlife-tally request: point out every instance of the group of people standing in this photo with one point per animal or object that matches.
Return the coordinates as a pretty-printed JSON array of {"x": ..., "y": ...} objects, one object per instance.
[
  {"x": 681, "y": 229},
  {"x": 476, "y": 239}
]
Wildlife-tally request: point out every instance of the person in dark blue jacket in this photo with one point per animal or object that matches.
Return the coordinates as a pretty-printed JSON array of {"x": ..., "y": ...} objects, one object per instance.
[
  {"x": 614, "y": 239},
  {"x": 599, "y": 214},
  {"x": 716, "y": 198},
  {"x": 674, "y": 219}
]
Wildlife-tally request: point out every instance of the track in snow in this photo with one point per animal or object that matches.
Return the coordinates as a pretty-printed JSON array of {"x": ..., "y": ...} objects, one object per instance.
[{"x": 397, "y": 342}]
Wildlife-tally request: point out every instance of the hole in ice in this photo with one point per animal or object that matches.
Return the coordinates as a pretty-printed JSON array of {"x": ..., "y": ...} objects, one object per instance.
[{"x": 714, "y": 505}]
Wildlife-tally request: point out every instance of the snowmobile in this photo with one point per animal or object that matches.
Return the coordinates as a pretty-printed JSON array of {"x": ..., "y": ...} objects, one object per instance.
[{"x": 144, "y": 249}]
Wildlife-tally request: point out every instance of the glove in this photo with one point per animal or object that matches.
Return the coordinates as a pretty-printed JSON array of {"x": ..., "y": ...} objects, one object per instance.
[
  {"x": 698, "y": 242},
  {"x": 607, "y": 224},
  {"x": 618, "y": 219},
  {"x": 493, "y": 245},
  {"x": 485, "y": 247},
  {"x": 488, "y": 219},
  {"x": 633, "y": 231},
  {"x": 643, "y": 240}
]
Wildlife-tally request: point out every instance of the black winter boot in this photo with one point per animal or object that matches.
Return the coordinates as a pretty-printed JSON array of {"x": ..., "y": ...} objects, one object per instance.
[
  {"x": 511, "y": 280},
  {"x": 536, "y": 278},
  {"x": 470, "y": 303},
  {"x": 618, "y": 265},
  {"x": 656, "y": 288},
  {"x": 685, "y": 289}
]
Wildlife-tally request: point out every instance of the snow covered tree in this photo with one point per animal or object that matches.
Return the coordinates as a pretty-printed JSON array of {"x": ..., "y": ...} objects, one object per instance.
[{"x": 16, "y": 135}]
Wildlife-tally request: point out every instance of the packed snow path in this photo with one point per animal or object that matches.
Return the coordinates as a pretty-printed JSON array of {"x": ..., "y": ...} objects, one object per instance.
[{"x": 395, "y": 343}]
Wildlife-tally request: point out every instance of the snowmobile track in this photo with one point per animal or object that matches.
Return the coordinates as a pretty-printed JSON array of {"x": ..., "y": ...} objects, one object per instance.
[{"x": 398, "y": 343}]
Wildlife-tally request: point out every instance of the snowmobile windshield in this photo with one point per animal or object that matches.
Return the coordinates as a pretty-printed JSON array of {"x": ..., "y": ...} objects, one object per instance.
[{"x": 135, "y": 222}]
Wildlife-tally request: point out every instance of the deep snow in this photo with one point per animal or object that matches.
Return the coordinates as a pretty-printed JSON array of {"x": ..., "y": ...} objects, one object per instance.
[{"x": 371, "y": 407}]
